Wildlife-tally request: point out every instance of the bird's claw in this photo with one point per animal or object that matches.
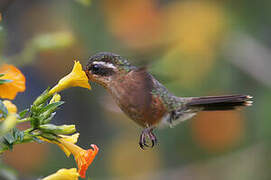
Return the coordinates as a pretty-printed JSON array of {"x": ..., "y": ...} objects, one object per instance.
[{"x": 147, "y": 133}]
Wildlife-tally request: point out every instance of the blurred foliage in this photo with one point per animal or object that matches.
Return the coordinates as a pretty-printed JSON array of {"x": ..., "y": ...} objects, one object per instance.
[{"x": 190, "y": 46}]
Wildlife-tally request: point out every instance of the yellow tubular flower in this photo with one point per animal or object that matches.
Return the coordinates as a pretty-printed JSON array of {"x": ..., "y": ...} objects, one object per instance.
[
  {"x": 72, "y": 139},
  {"x": 76, "y": 78},
  {"x": 67, "y": 174},
  {"x": 10, "y": 106},
  {"x": 82, "y": 157}
]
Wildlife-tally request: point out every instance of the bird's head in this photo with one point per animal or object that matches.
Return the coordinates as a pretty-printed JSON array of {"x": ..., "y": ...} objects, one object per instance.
[{"x": 103, "y": 66}]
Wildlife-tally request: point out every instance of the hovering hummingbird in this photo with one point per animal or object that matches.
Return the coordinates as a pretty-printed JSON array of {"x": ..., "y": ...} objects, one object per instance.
[{"x": 146, "y": 101}]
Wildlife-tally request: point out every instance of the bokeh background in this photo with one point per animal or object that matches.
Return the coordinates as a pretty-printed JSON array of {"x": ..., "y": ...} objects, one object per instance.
[{"x": 194, "y": 48}]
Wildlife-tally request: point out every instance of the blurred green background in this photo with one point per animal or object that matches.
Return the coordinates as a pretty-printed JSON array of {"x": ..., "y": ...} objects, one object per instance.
[{"x": 194, "y": 48}]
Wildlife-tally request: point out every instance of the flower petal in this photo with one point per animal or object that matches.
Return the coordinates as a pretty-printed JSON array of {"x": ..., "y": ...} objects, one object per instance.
[
  {"x": 85, "y": 158},
  {"x": 71, "y": 139},
  {"x": 67, "y": 174},
  {"x": 10, "y": 89},
  {"x": 82, "y": 157},
  {"x": 10, "y": 106},
  {"x": 55, "y": 98}
]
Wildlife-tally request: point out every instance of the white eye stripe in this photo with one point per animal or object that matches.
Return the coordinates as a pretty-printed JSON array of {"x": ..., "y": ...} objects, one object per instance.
[{"x": 109, "y": 65}]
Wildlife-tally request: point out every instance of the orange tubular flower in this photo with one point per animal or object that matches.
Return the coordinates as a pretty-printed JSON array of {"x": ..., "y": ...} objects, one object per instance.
[
  {"x": 85, "y": 158},
  {"x": 10, "y": 89},
  {"x": 72, "y": 139},
  {"x": 82, "y": 157}
]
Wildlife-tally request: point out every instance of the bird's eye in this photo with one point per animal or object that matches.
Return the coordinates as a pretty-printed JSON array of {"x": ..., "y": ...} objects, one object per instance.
[
  {"x": 95, "y": 68},
  {"x": 100, "y": 69}
]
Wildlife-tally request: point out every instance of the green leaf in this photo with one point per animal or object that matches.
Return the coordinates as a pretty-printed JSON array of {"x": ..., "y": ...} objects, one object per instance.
[
  {"x": 13, "y": 136},
  {"x": 5, "y": 145},
  {"x": 45, "y": 121},
  {"x": 47, "y": 111},
  {"x": 23, "y": 113},
  {"x": 35, "y": 121},
  {"x": 3, "y": 110},
  {"x": 1, "y": 74},
  {"x": 9, "y": 138},
  {"x": 52, "y": 107},
  {"x": 18, "y": 135}
]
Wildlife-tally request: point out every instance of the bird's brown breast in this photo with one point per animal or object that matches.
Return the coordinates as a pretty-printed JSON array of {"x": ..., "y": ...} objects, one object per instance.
[{"x": 132, "y": 92}]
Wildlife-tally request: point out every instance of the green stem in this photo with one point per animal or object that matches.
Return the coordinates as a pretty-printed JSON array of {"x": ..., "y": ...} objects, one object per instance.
[{"x": 24, "y": 120}]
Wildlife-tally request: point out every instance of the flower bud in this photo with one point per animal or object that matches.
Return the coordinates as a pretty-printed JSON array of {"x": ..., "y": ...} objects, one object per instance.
[
  {"x": 55, "y": 98},
  {"x": 42, "y": 98},
  {"x": 63, "y": 129}
]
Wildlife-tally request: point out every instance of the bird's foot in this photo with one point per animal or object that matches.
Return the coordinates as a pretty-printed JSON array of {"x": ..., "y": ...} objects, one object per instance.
[{"x": 147, "y": 133}]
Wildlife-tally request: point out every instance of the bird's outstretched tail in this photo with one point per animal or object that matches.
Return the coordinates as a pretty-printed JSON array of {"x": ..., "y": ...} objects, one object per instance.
[{"x": 216, "y": 103}]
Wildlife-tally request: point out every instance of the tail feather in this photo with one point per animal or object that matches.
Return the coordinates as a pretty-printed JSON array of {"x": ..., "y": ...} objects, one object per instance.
[{"x": 215, "y": 103}]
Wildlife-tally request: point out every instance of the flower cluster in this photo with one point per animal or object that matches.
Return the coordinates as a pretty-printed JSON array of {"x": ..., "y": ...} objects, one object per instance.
[{"x": 40, "y": 114}]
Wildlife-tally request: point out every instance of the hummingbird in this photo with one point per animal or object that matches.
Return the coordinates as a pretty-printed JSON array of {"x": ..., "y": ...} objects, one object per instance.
[{"x": 148, "y": 102}]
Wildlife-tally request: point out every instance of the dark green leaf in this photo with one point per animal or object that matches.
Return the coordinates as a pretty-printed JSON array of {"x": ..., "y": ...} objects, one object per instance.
[
  {"x": 35, "y": 121},
  {"x": 51, "y": 107},
  {"x": 9, "y": 138},
  {"x": 13, "y": 136},
  {"x": 23, "y": 113},
  {"x": 47, "y": 111},
  {"x": 1, "y": 74},
  {"x": 18, "y": 135},
  {"x": 45, "y": 121},
  {"x": 6, "y": 145},
  {"x": 35, "y": 109}
]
